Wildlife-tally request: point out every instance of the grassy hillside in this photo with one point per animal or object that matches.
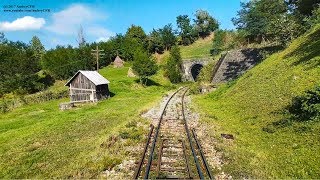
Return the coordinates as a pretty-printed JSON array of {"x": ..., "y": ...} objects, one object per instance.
[
  {"x": 40, "y": 141},
  {"x": 199, "y": 49},
  {"x": 246, "y": 107}
]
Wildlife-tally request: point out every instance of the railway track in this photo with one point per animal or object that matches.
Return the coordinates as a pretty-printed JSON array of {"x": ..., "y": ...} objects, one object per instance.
[{"x": 170, "y": 151}]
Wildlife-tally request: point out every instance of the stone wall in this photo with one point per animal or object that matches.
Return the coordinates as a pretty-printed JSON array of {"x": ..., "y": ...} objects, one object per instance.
[
  {"x": 187, "y": 64},
  {"x": 235, "y": 63}
]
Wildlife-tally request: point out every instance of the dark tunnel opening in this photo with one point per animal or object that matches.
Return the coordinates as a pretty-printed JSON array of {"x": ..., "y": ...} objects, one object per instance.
[{"x": 195, "y": 70}]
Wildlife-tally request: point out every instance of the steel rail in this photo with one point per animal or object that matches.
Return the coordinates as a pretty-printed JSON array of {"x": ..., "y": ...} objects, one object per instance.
[
  {"x": 186, "y": 159},
  {"x": 202, "y": 155},
  {"x": 190, "y": 140},
  {"x": 156, "y": 136},
  {"x": 137, "y": 173}
]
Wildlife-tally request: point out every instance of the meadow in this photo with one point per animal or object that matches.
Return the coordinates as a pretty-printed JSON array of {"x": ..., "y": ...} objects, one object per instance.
[{"x": 40, "y": 141}]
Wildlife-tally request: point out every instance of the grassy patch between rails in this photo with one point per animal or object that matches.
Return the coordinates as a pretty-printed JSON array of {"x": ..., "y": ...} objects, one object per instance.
[
  {"x": 247, "y": 107},
  {"x": 40, "y": 141}
]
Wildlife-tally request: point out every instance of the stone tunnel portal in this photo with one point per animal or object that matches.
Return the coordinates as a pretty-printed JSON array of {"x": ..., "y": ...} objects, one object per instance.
[{"x": 195, "y": 70}]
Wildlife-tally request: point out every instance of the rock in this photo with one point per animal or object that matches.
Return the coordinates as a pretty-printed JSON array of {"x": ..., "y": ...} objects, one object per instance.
[
  {"x": 227, "y": 136},
  {"x": 130, "y": 73},
  {"x": 66, "y": 106}
]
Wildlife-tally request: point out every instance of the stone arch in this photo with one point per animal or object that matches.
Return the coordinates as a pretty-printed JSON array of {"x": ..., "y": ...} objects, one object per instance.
[
  {"x": 194, "y": 66},
  {"x": 195, "y": 70}
]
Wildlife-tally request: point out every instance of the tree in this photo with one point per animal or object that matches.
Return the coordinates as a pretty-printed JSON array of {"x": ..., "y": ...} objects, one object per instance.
[
  {"x": 167, "y": 36},
  {"x": 315, "y": 18},
  {"x": 174, "y": 65},
  {"x": 205, "y": 23},
  {"x": 2, "y": 37},
  {"x": 62, "y": 62},
  {"x": 81, "y": 39},
  {"x": 218, "y": 42},
  {"x": 144, "y": 66},
  {"x": 304, "y": 7},
  {"x": 136, "y": 32},
  {"x": 23, "y": 77},
  {"x": 286, "y": 28},
  {"x": 37, "y": 48},
  {"x": 155, "y": 43},
  {"x": 258, "y": 19},
  {"x": 186, "y": 32}
]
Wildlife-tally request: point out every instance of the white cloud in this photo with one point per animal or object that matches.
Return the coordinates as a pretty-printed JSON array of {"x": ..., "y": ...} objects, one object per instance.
[
  {"x": 103, "y": 33},
  {"x": 25, "y": 23},
  {"x": 68, "y": 21},
  {"x": 102, "y": 39}
]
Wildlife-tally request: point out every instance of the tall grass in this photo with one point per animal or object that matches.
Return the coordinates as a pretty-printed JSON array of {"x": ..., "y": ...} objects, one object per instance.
[{"x": 249, "y": 105}]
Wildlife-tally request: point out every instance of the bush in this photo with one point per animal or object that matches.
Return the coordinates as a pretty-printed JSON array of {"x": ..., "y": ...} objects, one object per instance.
[
  {"x": 218, "y": 42},
  {"x": 173, "y": 67},
  {"x": 144, "y": 66},
  {"x": 205, "y": 74},
  {"x": 307, "y": 106},
  {"x": 7, "y": 104}
]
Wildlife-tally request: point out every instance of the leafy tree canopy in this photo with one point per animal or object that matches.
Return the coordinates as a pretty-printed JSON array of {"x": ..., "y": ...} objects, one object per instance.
[
  {"x": 186, "y": 31},
  {"x": 143, "y": 65},
  {"x": 205, "y": 23},
  {"x": 167, "y": 36}
]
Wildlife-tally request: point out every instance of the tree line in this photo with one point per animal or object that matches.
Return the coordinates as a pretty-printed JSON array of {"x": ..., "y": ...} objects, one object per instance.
[
  {"x": 268, "y": 22},
  {"x": 28, "y": 68}
]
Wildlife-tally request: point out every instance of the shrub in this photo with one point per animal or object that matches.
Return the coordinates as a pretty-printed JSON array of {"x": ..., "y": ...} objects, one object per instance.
[
  {"x": 7, "y": 104},
  {"x": 173, "y": 67},
  {"x": 307, "y": 106},
  {"x": 144, "y": 66}
]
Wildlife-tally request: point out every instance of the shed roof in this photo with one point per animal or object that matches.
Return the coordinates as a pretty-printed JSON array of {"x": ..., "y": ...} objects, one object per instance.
[{"x": 93, "y": 76}]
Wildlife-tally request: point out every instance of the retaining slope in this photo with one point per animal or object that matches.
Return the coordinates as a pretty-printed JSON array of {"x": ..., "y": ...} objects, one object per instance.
[{"x": 235, "y": 63}]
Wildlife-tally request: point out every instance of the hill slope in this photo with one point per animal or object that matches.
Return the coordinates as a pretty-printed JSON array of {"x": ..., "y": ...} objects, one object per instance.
[
  {"x": 199, "y": 49},
  {"x": 247, "y": 106}
]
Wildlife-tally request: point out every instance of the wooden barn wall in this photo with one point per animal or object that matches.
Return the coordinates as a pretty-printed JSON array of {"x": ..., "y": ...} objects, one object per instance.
[
  {"x": 82, "y": 89},
  {"x": 82, "y": 82}
]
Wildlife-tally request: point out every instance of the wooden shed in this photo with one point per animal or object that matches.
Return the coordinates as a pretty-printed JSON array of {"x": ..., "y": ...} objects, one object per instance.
[
  {"x": 86, "y": 86},
  {"x": 118, "y": 62}
]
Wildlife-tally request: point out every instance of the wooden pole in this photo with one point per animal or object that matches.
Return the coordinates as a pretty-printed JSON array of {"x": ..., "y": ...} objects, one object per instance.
[{"x": 97, "y": 53}]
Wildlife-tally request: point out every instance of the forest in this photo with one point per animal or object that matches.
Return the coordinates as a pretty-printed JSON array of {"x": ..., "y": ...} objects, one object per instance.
[{"x": 28, "y": 68}]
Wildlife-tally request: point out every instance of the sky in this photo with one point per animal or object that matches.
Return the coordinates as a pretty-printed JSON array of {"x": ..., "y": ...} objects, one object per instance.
[{"x": 57, "y": 22}]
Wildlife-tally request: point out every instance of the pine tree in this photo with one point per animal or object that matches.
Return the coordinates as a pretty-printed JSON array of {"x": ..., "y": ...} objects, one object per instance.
[
  {"x": 37, "y": 48},
  {"x": 174, "y": 64}
]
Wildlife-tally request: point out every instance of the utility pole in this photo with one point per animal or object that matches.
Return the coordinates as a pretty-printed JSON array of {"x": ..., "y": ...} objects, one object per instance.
[{"x": 97, "y": 53}]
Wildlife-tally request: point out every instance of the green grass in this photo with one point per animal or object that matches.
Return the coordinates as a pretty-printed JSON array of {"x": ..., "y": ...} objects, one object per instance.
[
  {"x": 199, "y": 49},
  {"x": 40, "y": 141},
  {"x": 247, "y": 106}
]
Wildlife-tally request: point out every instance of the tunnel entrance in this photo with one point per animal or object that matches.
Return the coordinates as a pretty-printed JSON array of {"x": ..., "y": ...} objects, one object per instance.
[{"x": 195, "y": 70}]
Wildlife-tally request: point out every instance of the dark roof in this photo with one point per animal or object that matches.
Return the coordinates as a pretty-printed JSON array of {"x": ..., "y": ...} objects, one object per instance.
[{"x": 93, "y": 76}]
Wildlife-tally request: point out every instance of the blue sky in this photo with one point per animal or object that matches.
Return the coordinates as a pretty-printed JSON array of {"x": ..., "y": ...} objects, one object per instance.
[{"x": 101, "y": 19}]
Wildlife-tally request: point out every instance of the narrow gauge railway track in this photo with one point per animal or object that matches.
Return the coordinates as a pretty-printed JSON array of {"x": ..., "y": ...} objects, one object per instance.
[{"x": 170, "y": 151}]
